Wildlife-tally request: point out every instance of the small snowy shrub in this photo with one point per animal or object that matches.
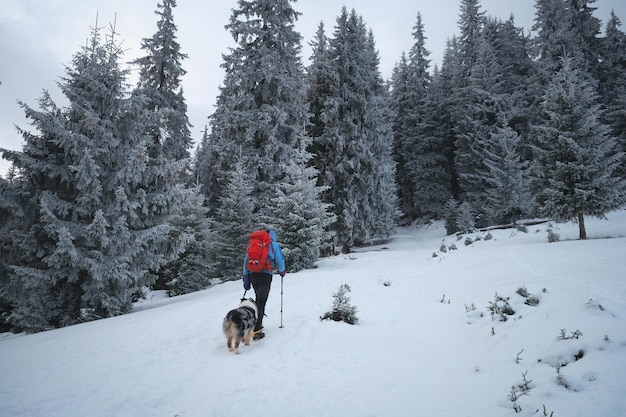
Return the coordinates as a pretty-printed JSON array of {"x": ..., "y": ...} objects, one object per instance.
[
  {"x": 451, "y": 211},
  {"x": 553, "y": 237},
  {"x": 523, "y": 292},
  {"x": 385, "y": 282},
  {"x": 489, "y": 236},
  {"x": 342, "y": 310},
  {"x": 531, "y": 300},
  {"x": 573, "y": 335},
  {"x": 465, "y": 218},
  {"x": 468, "y": 241},
  {"x": 500, "y": 308}
]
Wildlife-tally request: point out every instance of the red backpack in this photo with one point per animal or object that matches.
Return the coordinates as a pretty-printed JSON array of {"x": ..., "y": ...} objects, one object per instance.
[{"x": 258, "y": 251}]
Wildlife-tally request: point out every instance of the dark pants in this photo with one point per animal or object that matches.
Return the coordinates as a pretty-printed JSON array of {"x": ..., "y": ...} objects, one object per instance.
[{"x": 261, "y": 283}]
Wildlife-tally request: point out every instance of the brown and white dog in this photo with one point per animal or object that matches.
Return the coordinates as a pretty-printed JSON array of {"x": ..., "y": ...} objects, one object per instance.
[{"x": 239, "y": 324}]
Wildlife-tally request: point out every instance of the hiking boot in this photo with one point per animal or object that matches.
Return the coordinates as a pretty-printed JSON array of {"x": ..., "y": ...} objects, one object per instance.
[{"x": 258, "y": 335}]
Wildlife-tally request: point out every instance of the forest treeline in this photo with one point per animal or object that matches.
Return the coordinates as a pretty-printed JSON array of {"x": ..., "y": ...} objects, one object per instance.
[{"x": 106, "y": 198}]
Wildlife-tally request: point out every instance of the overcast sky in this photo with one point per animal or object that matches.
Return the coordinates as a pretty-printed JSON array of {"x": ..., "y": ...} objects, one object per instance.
[{"x": 39, "y": 37}]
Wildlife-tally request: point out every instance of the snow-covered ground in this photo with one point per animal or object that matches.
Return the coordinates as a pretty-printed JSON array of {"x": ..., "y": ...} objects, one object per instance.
[{"x": 426, "y": 343}]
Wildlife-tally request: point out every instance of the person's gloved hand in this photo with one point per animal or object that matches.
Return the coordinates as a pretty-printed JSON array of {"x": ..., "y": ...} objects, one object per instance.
[
  {"x": 282, "y": 273},
  {"x": 246, "y": 282}
]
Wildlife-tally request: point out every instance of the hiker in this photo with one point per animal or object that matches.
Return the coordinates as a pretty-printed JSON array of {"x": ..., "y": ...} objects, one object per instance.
[{"x": 262, "y": 280}]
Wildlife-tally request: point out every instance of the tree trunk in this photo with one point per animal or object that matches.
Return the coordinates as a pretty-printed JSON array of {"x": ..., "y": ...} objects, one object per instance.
[{"x": 581, "y": 225}]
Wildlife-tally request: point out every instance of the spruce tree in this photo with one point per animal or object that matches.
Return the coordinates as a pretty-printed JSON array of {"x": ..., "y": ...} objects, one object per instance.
[
  {"x": 259, "y": 123},
  {"x": 444, "y": 116},
  {"x": 468, "y": 102},
  {"x": 261, "y": 110},
  {"x": 301, "y": 220},
  {"x": 194, "y": 268},
  {"x": 160, "y": 81},
  {"x": 471, "y": 20},
  {"x": 236, "y": 221},
  {"x": 401, "y": 109},
  {"x": 508, "y": 196},
  {"x": 577, "y": 159},
  {"x": 612, "y": 82},
  {"x": 427, "y": 152},
  {"x": 418, "y": 150},
  {"x": 357, "y": 138},
  {"x": 97, "y": 212},
  {"x": 566, "y": 28}
]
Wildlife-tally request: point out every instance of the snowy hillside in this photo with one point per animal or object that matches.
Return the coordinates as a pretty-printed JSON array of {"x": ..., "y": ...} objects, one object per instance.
[{"x": 426, "y": 343}]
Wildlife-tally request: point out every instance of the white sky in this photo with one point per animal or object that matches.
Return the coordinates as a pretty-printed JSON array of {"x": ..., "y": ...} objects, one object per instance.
[{"x": 38, "y": 38}]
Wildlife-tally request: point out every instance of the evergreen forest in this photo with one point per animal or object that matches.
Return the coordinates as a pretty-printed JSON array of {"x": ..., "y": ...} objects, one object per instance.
[{"x": 109, "y": 197}]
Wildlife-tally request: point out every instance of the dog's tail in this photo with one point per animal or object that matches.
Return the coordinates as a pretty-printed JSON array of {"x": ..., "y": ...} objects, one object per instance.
[{"x": 227, "y": 327}]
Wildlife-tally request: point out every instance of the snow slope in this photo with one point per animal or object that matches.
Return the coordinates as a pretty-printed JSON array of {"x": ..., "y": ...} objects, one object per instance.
[{"x": 426, "y": 343}]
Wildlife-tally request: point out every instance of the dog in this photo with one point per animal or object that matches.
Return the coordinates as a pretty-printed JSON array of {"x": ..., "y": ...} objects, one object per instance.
[{"x": 239, "y": 324}]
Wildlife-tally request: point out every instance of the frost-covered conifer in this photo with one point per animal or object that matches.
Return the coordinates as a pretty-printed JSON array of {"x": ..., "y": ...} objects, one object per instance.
[
  {"x": 342, "y": 309},
  {"x": 577, "y": 159},
  {"x": 465, "y": 221},
  {"x": 261, "y": 110},
  {"x": 612, "y": 82},
  {"x": 300, "y": 217},
  {"x": 160, "y": 83},
  {"x": 356, "y": 143},
  {"x": 234, "y": 222},
  {"x": 258, "y": 128},
  {"x": 508, "y": 196},
  {"x": 97, "y": 210},
  {"x": 160, "y": 79},
  {"x": 194, "y": 268}
]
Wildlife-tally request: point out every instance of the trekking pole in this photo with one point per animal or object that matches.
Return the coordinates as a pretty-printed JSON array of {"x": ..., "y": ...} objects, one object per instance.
[{"x": 281, "y": 302}]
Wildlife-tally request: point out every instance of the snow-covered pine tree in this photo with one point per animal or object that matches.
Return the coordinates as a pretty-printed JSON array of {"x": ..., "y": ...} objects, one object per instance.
[
  {"x": 207, "y": 173},
  {"x": 451, "y": 214},
  {"x": 261, "y": 110},
  {"x": 381, "y": 206},
  {"x": 565, "y": 28},
  {"x": 426, "y": 157},
  {"x": 508, "y": 193},
  {"x": 357, "y": 138},
  {"x": 511, "y": 47},
  {"x": 259, "y": 123},
  {"x": 342, "y": 309},
  {"x": 11, "y": 216},
  {"x": 401, "y": 109},
  {"x": 612, "y": 82},
  {"x": 418, "y": 151},
  {"x": 236, "y": 220},
  {"x": 485, "y": 100},
  {"x": 194, "y": 268},
  {"x": 300, "y": 217},
  {"x": 443, "y": 118},
  {"x": 97, "y": 221},
  {"x": 471, "y": 21},
  {"x": 160, "y": 81},
  {"x": 471, "y": 103},
  {"x": 577, "y": 159},
  {"x": 466, "y": 218},
  {"x": 319, "y": 84},
  {"x": 551, "y": 27}
]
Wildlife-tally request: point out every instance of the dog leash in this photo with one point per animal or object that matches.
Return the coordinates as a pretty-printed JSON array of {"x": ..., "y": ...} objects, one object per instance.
[{"x": 244, "y": 295}]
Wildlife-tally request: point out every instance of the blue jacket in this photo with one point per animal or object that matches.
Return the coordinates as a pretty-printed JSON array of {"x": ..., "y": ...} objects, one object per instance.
[{"x": 275, "y": 255}]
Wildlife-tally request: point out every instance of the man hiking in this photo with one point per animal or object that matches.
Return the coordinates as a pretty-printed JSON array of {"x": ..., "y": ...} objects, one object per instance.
[{"x": 263, "y": 257}]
